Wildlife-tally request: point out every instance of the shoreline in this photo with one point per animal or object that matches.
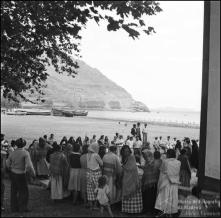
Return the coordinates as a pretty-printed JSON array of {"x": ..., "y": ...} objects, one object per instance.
[{"x": 150, "y": 122}]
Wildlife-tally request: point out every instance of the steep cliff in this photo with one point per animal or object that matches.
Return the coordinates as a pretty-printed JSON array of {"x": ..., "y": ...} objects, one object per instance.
[{"x": 90, "y": 89}]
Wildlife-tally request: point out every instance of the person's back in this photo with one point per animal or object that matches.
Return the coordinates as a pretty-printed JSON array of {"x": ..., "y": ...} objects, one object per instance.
[
  {"x": 93, "y": 160},
  {"x": 18, "y": 160},
  {"x": 74, "y": 160}
]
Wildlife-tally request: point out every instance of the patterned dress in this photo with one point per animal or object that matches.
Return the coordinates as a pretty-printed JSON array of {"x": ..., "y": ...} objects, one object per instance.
[{"x": 131, "y": 188}]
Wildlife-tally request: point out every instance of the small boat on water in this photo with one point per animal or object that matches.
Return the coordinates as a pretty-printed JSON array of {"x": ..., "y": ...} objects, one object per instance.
[{"x": 16, "y": 113}]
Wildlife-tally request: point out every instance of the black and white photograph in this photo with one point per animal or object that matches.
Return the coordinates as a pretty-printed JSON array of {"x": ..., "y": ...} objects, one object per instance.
[{"x": 110, "y": 108}]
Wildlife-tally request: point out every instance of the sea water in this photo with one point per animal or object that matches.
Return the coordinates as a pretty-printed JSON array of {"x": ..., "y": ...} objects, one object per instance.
[{"x": 176, "y": 117}]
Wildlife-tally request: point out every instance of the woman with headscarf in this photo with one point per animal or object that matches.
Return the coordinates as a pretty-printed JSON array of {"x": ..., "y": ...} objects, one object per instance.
[
  {"x": 64, "y": 142},
  {"x": 74, "y": 178},
  {"x": 86, "y": 141},
  {"x": 40, "y": 153},
  {"x": 112, "y": 170},
  {"x": 71, "y": 140},
  {"x": 94, "y": 164},
  {"x": 131, "y": 186},
  {"x": 149, "y": 181},
  {"x": 167, "y": 187},
  {"x": 79, "y": 141},
  {"x": 59, "y": 174},
  {"x": 185, "y": 170}
]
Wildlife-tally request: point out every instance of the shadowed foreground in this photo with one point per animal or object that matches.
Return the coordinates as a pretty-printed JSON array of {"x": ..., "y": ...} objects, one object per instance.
[{"x": 42, "y": 206}]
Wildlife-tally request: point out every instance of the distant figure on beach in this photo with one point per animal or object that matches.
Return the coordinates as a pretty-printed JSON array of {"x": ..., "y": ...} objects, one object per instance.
[
  {"x": 156, "y": 143},
  {"x": 144, "y": 131},
  {"x": 133, "y": 130},
  {"x": 119, "y": 143},
  {"x": 137, "y": 146},
  {"x": 168, "y": 143},
  {"x": 138, "y": 131},
  {"x": 130, "y": 142}
]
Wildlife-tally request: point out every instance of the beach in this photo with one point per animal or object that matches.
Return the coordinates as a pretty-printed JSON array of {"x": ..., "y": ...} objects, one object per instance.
[{"x": 32, "y": 127}]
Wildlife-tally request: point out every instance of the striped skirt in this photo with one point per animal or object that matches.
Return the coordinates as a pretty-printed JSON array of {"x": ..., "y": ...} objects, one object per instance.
[
  {"x": 92, "y": 183},
  {"x": 133, "y": 204}
]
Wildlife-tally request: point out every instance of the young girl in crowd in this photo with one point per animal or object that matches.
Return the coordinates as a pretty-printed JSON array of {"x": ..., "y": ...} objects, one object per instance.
[{"x": 103, "y": 195}]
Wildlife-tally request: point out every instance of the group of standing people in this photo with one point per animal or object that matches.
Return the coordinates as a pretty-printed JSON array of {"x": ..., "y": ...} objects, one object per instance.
[{"x": 99, "y": 172}]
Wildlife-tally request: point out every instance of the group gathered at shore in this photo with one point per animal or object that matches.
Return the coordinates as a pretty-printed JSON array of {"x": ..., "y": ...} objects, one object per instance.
[{"x": 144, "y": 177}]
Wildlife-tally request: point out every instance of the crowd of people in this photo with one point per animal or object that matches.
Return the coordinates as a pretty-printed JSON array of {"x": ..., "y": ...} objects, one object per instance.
[{"x": 98, "y": 172}]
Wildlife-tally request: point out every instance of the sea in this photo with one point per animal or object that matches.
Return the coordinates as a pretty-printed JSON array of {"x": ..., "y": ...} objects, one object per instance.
[{"x": 160, "y": 117}]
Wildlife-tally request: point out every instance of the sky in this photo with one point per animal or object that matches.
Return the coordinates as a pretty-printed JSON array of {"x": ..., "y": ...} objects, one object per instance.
[{"x": 161, "y": 70}]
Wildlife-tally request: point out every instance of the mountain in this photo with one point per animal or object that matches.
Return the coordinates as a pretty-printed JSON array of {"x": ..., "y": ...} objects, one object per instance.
[{"x": 90, "y": 89}]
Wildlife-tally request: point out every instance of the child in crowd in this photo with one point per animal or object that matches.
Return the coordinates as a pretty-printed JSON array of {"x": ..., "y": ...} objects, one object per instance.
[{"x": 103, "y": 197}]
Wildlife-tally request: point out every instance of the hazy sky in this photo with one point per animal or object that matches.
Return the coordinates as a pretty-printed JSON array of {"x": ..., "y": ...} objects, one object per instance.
[{"x": 161, "y": 70}]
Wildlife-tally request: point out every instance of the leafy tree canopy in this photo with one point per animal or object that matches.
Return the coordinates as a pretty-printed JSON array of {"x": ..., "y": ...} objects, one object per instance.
[{"x": 35, "y": 34}]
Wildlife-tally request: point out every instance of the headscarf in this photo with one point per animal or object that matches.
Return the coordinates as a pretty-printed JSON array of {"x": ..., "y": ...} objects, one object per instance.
[
  {"x": 131, "y": 182},
  {"x": 148, "y": 156}
]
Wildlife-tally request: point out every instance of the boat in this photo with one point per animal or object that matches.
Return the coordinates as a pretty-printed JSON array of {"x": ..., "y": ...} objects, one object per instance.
[
  {"x": 59, "y": 112},
  {"x": 80, "y": 113},
  {"x": 35, "y": 112},
  {"x": 16, "y": 113}
]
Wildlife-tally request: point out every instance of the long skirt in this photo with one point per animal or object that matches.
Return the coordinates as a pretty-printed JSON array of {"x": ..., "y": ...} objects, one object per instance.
[
  {"x": 185, "y": 178},
  {"x": 83, "y": 183},
  {"x": 167, "y": 199},
  {"x": 57, "y": 190},
  {"x": 133, "y": 204},
  {"x": 42, "y": 167},
  {"x": 144, "y": 138},
  {"x": 74, "y": 180},
  {"x": 115, "y": 193},
  {"x": 92, "y": 183},
  {"x": 149, "y": 198}
]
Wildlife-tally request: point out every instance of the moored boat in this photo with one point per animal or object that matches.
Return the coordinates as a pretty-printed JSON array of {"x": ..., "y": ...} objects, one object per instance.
[
  {"x": 16, "y": 113},
  {"x": 35, "y": 112},
  {"x": 59, "y": 112},
  {"x": 80, "y": 113}
]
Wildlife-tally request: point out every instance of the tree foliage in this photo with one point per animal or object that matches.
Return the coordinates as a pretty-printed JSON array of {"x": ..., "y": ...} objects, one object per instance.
[{"x": 35, "y": 34}]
